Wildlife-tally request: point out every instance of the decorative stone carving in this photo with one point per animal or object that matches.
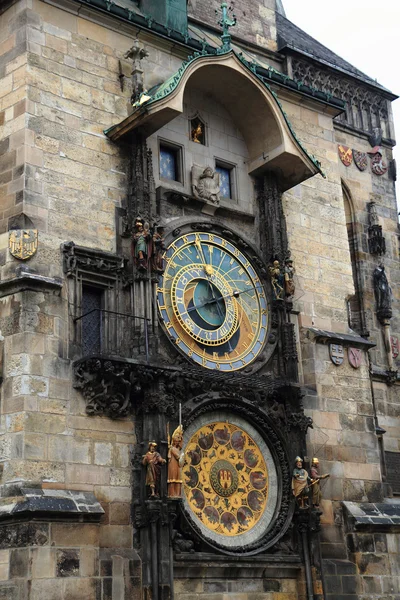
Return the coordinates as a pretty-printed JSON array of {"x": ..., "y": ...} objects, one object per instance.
[
  {"x": 383, "y": 294},
  {"x": 136, "y": 54},
  {"x": 365, "y": 106},
  {"x": 376, "y": 240},
  {"x": 206, "y": 184},
  {"x": 105, "y": 387},
  {"x": 86, "y": 259}
]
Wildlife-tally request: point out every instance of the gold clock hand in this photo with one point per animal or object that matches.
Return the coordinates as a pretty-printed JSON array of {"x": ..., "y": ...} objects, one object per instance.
[{"x": 207, "y": 268}]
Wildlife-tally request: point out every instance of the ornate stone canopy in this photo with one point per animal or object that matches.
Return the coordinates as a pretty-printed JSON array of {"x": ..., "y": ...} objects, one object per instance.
[{"x": 270, "y": 139}]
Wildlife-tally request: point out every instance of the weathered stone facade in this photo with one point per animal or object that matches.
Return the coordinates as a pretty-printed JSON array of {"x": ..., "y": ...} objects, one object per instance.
[{"x": 89, "y": 373}]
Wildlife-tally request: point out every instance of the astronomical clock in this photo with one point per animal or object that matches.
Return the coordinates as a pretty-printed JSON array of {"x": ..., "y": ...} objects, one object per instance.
[
  {"x": 215, "y": 306},
  {"x": 212, "y": 302}
]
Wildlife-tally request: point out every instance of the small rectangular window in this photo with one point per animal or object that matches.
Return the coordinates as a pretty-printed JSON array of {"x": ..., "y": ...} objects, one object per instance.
[
  {"x": 92, "y": 301},
  {"x": 226, "y": 179},
  {"x": 170, "y": 162}
]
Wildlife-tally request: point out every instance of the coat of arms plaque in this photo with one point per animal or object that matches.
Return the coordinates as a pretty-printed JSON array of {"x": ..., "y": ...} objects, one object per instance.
[
  {"x": 23, "y": 243},
  {"x": 336, "y": 352}
]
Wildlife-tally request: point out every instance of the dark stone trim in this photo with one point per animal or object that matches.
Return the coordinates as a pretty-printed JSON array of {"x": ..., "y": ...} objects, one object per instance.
[
  {"x": 28, "y": 280},
  {"x": 45, "y": 504},
  {"x": 387, "y": 376},
  {"x": 346, "y": 339},
  {"x": 383, "y": 516}
]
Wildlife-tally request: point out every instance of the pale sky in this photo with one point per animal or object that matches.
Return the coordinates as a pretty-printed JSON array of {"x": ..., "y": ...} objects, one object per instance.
[{"x": 366, "y": 33}]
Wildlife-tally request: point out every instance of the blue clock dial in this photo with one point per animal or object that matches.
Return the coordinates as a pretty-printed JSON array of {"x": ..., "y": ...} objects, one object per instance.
[{"x": 212, "y": 302}]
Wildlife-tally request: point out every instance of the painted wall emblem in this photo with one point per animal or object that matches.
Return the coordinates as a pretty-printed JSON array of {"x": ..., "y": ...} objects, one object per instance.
[
  {"x": 360, "y": 160},
  {"x": 394, "y": 342},
  {"x": 354, "y": 355},
  {"x": 336, "y": 353},
  {"x": 346, "y": 155},
  {"x": 23, "y": 243},
  {"x": 378, "y": 164}
]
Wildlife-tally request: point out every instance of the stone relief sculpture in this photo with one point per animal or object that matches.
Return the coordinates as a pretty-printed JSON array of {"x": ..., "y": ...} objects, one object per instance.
[
  {"x": 315, "y": 482},
  {"x": 300, "y": 482},
  {"x": 176, "y": 458},
  {"x": 206, "y": 184},
  {"x": 152, "y": 460}
]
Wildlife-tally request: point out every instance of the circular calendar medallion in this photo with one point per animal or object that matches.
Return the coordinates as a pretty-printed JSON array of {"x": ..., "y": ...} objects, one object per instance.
[{"x": 229, "y": 480}]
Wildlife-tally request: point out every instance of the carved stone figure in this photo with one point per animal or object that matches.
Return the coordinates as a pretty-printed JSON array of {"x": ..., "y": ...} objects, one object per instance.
[
  {"x": 158, "y": 250},
  {"x": 300, "y": 482},
  {"x": 206, "y": 185},
  {"x": 175, "y": 463},
  {"x": 277, "y": 280},
  {"x": 315, "y": 482},
  {"x": 289, "y": 271},
  {"x": 152, "y": 460},
  {"x": 383, "y": 293},
  {"x": 142, "y": 247}
]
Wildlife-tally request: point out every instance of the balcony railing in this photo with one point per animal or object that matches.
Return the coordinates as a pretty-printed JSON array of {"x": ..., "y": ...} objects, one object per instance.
[{"x": 112, "y": 333}]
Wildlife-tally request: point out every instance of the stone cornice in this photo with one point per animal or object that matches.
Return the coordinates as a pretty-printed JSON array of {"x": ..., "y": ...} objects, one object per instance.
[
  {"x": 27, "y": 280},
  {"x": 345, "y": 339}
]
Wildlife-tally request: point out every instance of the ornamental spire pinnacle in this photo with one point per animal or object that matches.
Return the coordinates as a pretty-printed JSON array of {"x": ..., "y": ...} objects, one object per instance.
[{"x": 227, "y": 20}]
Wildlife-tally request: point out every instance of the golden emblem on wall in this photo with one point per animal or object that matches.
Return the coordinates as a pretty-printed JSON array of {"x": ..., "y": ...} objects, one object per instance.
[
  {"x": 225, "y": 478},
  {"x": 23, "y": 243}
]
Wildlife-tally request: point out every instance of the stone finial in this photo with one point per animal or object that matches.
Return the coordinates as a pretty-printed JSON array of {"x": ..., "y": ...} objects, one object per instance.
[{"x": 136, "y": 53}]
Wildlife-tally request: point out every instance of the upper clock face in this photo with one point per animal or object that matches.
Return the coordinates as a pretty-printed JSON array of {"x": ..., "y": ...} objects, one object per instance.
[{"x": 212, "y": 302}]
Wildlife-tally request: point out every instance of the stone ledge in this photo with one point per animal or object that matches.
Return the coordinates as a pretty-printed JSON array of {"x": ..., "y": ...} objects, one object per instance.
[
  {"x": 366, "y": 516},
  {"x": 330, "y": 337},
  {"x": 212, "y": 566},
  {"x": 38, "y": 503},
  {"x": 28, "y": 280}
]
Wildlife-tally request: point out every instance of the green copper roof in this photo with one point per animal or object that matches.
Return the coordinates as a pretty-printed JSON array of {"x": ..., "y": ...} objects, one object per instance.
[{"x": 167, "y": 87}]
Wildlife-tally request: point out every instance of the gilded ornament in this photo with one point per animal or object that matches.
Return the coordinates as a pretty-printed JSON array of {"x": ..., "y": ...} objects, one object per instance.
[
  {"x": 225, "y": 479},
  {"x": 23, "y": 243}
]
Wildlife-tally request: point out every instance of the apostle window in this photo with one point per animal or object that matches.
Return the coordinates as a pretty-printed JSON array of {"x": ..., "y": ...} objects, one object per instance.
[
  {"x": 226, "y": 179},
  {"x": 170, "y": 157}
]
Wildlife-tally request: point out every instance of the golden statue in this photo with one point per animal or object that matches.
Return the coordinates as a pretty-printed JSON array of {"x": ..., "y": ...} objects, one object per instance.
[
  {"x": 176, "y": 458},
  {"x": 197, "y": 133}
]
